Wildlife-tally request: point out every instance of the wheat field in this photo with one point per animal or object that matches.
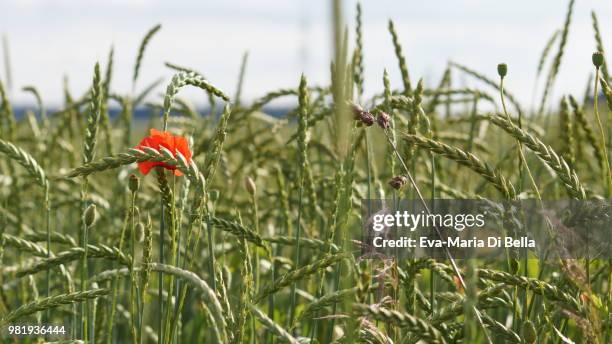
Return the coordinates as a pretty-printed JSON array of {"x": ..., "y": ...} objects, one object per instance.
[{"x": 229, "y": 225}]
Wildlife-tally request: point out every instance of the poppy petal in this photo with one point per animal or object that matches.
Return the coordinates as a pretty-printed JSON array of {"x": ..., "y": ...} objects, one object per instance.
[
  {"x": 174, "y": 144},
  {"x": 146, "y": 166}
]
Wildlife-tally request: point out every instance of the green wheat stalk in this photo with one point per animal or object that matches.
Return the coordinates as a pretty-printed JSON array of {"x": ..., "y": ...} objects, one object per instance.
[
  {"x": 400, "y": 59},
  {"x": 556, "y": 65},
  {"x": 141, "y": 50}
]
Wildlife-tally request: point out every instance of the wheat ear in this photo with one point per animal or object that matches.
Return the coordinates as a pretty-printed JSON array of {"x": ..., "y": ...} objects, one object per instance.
[
  {"x": 535, "y": 285},
  {"x": 466, "y": 159},
  {"x": 567, "y": 175},
  {"x": 6, "y": 113},
  {"x": 208, "y": 294},
  {"x": 238, "y": 230},
  {"x": 23, "y": 245},
  {"x": 182, "y": 79},
  {"x": 586, "y": 127},
  {"x": 404, "y": 320},
  {"x": 546, "y": 51},
  {"x": 133, "y": 155},
  {"x": 104, "y": 117},
  {"x": 554, "y": 68},
  {"x": 52, "y": 302},
  {"x": 93, "y": 117},
  {"x": 400, "y": 59},
  {"x": 213, "y": 157},
  {"x": 141, "y": 51},
  {"x": 39, "y": 102},
  {"x": 298, "y": 274},
  {"x": 76, "y": 253},
  {"x": 272, "y": 326},
  {"x": 26, "y": 160}
]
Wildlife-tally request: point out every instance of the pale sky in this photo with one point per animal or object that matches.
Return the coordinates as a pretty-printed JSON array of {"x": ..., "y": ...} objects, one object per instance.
[{"x": 52, "y": 38}]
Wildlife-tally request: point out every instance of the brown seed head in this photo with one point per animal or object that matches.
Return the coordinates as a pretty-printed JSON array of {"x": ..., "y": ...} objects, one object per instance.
[
  {"x": 383, "y": 120},
  {"x": 363, "y": 116},
  {"x": 398, "y": 182}
]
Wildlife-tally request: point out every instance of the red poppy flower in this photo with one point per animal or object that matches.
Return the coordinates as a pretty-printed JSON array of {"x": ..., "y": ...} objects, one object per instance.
[{"x": 174, "y": 144}]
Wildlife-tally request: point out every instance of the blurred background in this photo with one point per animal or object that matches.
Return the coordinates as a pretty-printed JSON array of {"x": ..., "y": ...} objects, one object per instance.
[{"x": 50, "y": 39}]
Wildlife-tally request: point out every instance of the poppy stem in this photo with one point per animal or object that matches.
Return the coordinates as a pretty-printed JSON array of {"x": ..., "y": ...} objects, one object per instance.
[{"x": 161, "y": 274}]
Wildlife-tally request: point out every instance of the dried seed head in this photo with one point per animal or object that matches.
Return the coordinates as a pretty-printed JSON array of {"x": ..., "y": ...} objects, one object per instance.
[
  {"x": 529, "y": 332},
  {"x": 398, "y": 182},
  {"x": 502, "y": 69},
  {"x": 134, "y": 183},
  {"x": 90, "y": 216},
  {"x": 598, "y": 59},
  {"x": 140, "y": 232},
  {"x": 249, "y": 184},
  {"x": 363, "y": 116},
  {"x": 383, "y": 120}
]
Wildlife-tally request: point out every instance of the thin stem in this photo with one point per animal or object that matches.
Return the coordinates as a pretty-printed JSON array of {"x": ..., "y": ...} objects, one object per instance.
[
  {"x": 607, "y": 174},
  {"x": 134, "y": 317},
  {"x": 48, "y": 225},
  {"x": 522, "y": 160},
  {"x": 298, "y": 234},
  {"x": 84, "y": 304},
  {"x": 113, "y": 305},
  {"x": 160, "y": 287}
]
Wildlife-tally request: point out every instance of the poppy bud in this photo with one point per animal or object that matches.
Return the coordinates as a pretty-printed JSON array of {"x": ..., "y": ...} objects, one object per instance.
[
  {"x": 598, "y": 59},
  {"x": 584, "y": 297},
  {"x": 383, "y": 120},
  {"x": 249, "y": 184},
  {"x": 134, "y": 183},
  {"x": 140, "y": 232},
  {"x": 90, "y": 215},
  {"x": 363, "y": 116},
  {"x": 398, "y": 182},
  {"x": 458, "y": 284},
  {"x": 502, "y": 69},
  {"x": 514, "y": 265},
  {"x": 213, "y": 195},
  {"x": 529, "y": 332}
]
